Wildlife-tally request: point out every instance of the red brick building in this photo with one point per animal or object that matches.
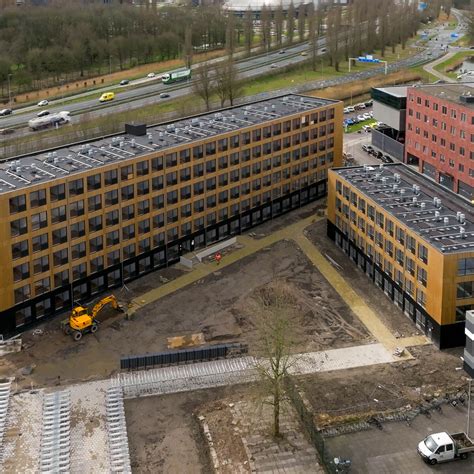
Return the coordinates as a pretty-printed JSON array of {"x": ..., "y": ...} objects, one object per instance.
[{"x": 440, "y": 134}]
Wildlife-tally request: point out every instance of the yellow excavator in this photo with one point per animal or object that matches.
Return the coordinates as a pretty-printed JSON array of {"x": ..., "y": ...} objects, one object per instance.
[{"x": 81, "y": 321}]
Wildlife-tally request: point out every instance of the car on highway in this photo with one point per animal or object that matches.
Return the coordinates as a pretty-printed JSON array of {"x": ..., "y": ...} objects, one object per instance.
[
  {"x": 323, "y": 50},
  {"x": 282, "y": 51},
  {"x": 43, "y": 103},
  {"x": 106, "y": 96},
  {"x": 124, "y": 82},
  {"x": 164, "y": 95},
  {"x": 43, "y": 113},
  {"x": 304, "y": 53},
  {"x": 151, "y": 74},
  {"x": 273, "y": 66},
  {"x": 6, "y": 131},
  {"x": 386, "y": 159},
  {"x": 4, "y": 112}
]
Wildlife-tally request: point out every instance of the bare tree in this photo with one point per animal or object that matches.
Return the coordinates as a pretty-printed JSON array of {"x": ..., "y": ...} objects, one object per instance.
[
  {"x": 279, "y": 23},
  {"x": 203, "y": 84},
  {"x": 301, "y": 21},
  {"x": 227, "y": 84},
  {"x": 333, "y": 30},
  {"x": 230, "y": 34},
  {"x": 290, "y": 23},
  {"x": 248, "y": 30},
  {"x": 188, "y": 47},
  {"x": 275, "y": 313},
  {"x": 313, "y": 39},
  {"x": 266, "y": 25}
]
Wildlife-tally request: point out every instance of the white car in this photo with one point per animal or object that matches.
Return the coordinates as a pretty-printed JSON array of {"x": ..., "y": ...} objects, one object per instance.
[
  {"x": 151, "y": 74},
  {"x": 273, "y": 66},
  {"x": 360, "y": 118},
  {"x": 366, "y": 116},
  {"x": 43, "y": 113},
  {"x": 346, "y": 110},
  {"x": 350, "y": 109},
  {"x": 43, "y": 103}
]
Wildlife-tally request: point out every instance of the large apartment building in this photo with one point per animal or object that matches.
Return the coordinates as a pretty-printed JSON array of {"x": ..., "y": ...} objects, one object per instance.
[
  {"x": 81, "y": 219},
  {"x": 440, "y": 134},
  {"x": 414, "y": 239}
]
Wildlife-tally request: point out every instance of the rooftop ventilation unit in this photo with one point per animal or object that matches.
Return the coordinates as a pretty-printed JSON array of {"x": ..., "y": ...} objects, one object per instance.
[
  {"x": 467, "y": 98},
  {"x": 135, "y": 129},
  {"x": 396, "y": 177},
  {"x": 150, "y": 138},
  {"x": 462, "y": 233},
  {"x": 437, "y": 216},
  {"x": 446, "y": 220},
  {"x": 133, "y": 144}
]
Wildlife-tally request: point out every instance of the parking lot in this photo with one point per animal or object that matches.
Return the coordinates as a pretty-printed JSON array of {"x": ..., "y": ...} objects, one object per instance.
[{"x": 393, "y": 449}]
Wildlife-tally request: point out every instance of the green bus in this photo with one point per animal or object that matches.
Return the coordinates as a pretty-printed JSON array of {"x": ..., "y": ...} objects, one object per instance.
[{"x": 175, "y": 76}]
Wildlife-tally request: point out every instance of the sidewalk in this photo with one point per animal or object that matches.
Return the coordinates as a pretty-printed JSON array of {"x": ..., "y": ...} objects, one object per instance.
[{"x": 430, "y": 67}]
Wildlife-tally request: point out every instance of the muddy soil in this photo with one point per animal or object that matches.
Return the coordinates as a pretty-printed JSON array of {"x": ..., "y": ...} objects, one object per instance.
[
  {"x": 345, "y": 393},
  {"x": 164, "y": 433},
  {"x": 217, "y": 306},
  {"x": 390, "y": 314}
]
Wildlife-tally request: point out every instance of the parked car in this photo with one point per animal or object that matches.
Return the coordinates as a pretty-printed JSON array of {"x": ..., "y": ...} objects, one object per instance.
[
  {"x": 4, "y": 112},
  {"x": 43, "y": 103},
  {"x": 346, "y": 110},
  {"x": 367, "y": 128},
  {"x": 43, "y": 113},
  {"x": 124, "y": 82},
  {"x": 366, "y": 116},
  {"x": 387, "y": 159},
  {"x": 151, "y": 74},
  {"x": 443, "y": 447},
  {"x": 369, "y": 103},
  {"x": 361, "y": 118},
  {"x": 378, "y": 154},
  {"x": 366, "y": 148},
  {"x": 350, "y": 109},
  {"x": 359, "y": 106}
]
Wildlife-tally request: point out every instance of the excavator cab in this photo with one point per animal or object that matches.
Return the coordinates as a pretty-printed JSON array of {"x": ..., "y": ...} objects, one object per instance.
[{"x": 82, "y": 321}]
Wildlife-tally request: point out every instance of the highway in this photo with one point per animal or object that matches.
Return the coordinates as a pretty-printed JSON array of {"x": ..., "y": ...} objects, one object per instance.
[
  {"x": 126, "y": 98},
  {"x": 131, "y": 98}
]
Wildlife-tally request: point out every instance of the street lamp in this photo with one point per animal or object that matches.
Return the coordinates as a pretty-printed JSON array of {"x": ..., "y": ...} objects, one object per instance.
[{"x": 9, "y": 91}]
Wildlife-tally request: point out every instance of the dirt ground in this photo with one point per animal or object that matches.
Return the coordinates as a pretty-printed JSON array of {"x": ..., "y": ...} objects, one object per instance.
[
  {"x": 164, "y": 433},
  {"x": 217, "y": 306},
  {"x": 390, "y": 314},
  {"x": 346, "y": 393}
]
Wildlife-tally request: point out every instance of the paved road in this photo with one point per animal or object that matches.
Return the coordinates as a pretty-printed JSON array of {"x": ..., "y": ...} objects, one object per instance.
[
  {"x": 393, "y": 450},
  {"x": 251, "y": 67}
]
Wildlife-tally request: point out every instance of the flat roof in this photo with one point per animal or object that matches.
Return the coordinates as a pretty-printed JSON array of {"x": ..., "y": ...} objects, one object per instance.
[
  {"x": 450, "y": 91},
  {"x": 45, "y": 166},
  {"x": 397, "y": 91},
  {"x": 442, "y": 218}
]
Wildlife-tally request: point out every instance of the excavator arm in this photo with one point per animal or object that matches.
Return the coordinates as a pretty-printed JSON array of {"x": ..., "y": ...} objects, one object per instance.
[{"x": 103, "y": 302}]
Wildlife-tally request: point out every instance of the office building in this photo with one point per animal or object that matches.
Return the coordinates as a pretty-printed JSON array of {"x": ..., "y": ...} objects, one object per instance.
[
  {"x": 440, "y": 134},
  {"x": 87, "y": 217},
  {"x": 414, "y": 239}
]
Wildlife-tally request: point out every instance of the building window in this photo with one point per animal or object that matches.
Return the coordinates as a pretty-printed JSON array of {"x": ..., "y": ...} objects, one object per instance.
[
  {"x": 97, "y": 264},
  {"x": 127, "y": 192},
  {"x": 58, "y": 214},
  {"x": 93, "y": 182},
  {"x": 142, "y": 168},
  {"x": 126, "y": 173},
  {"x": 128, "y": 232},
  {"x": 76, "y": 187},
  {"x": 95, "y": 223},
  {"x": 78, "y": 229},
  {"x": 22, "y": 294},
  {"x": 112, "y": 218},
  {"x": 61, "y": 278},
  {"x": 96, "y": 244},
  {"x": 78, "y": 251},
  {"x": 157, "y": 164},
  {"x": 423, "y": 253},
  {"x": 128, "y": 212},
  {"x": 76, "y": 209},
  {"x": 422, "y": 276},
  {"x": 20, "y": 249},
  {"x": 39, "y": 242},
  {"x": 39, "y": 221},
  {"x": 421, "y": 298},
  {"x": 60, "y": 257},
  {"x": 465, "y": 290},
  {"x": 41, "y": 265},
  {"x": 111, "y": 177},
  {"x": 465, "y": 266},
  {"x": 18, "y": 227},
  {"x": 79, "y": 271},
  {"x": 21, "y": 272},
  {"x": 38, "y": 198},
  {"x": 57, "y": 193}
]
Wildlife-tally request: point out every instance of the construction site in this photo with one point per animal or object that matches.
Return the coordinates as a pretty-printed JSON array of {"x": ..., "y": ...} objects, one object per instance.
[{"x": 361, "y": 363}]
